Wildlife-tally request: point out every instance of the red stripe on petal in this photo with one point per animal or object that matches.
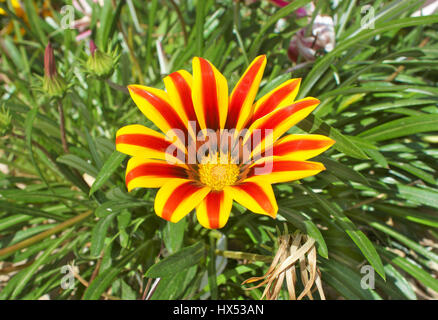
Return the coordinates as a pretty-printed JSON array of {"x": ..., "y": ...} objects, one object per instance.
[
  {"x": 257, "y": 193},
  {"x": 209, "y": 96},
  {"x": 143, "y": 140},
  {"x": 276, "y": 118},
  {"x": 178, "y": 195},
  {"x": 161, "y": 170},
  {"x": 283, "y": 166},
  {"x": 165, "y": 109},
  {"x": 185, "y": 94},
  {"x": 240, "y": 94},
  {"x": 214, "y": 201},
  {"x": 299, "y": 145},
  {"x": 274, "y": 100}
]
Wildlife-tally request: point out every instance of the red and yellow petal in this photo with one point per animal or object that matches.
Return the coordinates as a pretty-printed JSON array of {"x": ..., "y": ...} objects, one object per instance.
[
  {"x": 147, "y": 173},
  {"x": 213, "y": 212},
  {"x": 300, "y": 147},
  {"x": 138, "y": 140},
  {"x": 179, "y": 88},
  {"x": 281, "y": 96},
  {"x": 257, "y": 196},
  {"x": 157, "y": 107},
  {"x": 265, "y": 131},
  {"x": 276, "y": 170},
  {"x": 244, "y": 93},
  {"x": 177, "y": 198},
  {"x": 209, "y": 95}
]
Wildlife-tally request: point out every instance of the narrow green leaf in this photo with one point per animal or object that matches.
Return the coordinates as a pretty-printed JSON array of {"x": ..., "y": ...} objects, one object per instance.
[
  {"x": 105, "y": 278},
  {"x": 111, "y": 165},
  {"x": 421, "y": 275},
  {"x": 75, "y": 162},
  {"x": 173, "y": 235},
  {"x": 183, "y": 259},
  {"x": 343, "y": 144},
  {"x": 99, "y": 232},
  {"x": 359, "y": 238},
  {"x": 402, "y": 127},
  {"x": 418, "y": 195}
]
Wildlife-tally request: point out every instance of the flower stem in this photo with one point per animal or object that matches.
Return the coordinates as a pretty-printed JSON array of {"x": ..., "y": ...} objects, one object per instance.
[
  {"x": 62, "y": 127},
  {"x": 45, "y": 234}
]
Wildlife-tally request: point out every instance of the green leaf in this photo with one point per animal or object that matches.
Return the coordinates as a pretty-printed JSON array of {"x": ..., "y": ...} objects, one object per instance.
[
  {"x": 402, "y": 127},
  {"x": 25, "y": 275},
  {"x": 105, "y": 278},
  {"x": 421, "y": 275},
  {"x": 359, "y": 238},
  {"x": 99, "y": 233},
  {"x": 183, "y": 259},
  {"x": 75, "y": 162},
  {"x": 173, "y": 235},
  {"x": 418, "y": 195},
  {"x": 398, "y": 236},
  {"x": 342, "y": 171},
  {"x": 117, "y": 205},
  {"x": 111, "y": 165},
  {"x": 409, "y": 214},
  {"x": 173, "y": 286},
  {"x": 321, "y": 66},
  {"x": 343, "y": 144}
]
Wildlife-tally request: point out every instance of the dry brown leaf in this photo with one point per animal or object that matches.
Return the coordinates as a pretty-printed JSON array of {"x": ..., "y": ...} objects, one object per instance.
[{"x": 291, "y": 249}]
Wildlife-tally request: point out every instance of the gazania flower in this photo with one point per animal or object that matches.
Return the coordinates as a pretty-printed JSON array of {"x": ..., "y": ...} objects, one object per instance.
[{"x": 217, "y": 148}]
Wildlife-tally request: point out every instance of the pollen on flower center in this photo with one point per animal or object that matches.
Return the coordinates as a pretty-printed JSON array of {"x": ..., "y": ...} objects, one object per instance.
[{"x": 218, "y": 175}]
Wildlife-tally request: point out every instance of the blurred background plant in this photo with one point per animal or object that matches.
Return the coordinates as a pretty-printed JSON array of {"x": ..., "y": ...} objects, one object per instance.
[{"x": 70, "y": 230}]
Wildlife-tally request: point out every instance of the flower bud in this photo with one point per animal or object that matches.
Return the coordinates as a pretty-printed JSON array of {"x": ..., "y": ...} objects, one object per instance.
[
  {"x": 100, "y": 64},
  {"x": 53, "y": 84}
]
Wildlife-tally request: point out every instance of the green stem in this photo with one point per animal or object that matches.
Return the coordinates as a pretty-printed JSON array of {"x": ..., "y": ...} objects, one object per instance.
[{"x": 45, "y": 234}]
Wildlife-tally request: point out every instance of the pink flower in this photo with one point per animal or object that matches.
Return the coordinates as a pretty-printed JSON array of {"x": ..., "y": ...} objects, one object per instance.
[
  {"x": 83, "y": 24},
  {"x": 280, "y": 3},
  {"x": 300, "y": 12},
  {"x": 321, "y": 38}
]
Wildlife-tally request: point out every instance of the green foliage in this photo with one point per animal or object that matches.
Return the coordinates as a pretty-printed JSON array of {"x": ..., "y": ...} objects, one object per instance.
[{"x": 376, "y": 204}]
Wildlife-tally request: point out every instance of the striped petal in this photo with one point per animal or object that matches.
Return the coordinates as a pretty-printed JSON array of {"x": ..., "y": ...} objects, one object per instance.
[
  {"x": 209, "y": 95},
  {"x": 213, "y": 212},
  {"x": 179, "y": 88},
  {"x": 256, "y": 196},
  {"x": 157, "y": 107},
  {"x": 177, "y": 198},
  {"x": 244, "y": 93},
  {"x": 281, "y": 96},
  {"x": 274, "y": 170},
  {"x": 266, "y": 130},
  {"x": 300, "y": 146},
  {"x": 138, "y": 140},
  {"x": 146, "y": 173}
]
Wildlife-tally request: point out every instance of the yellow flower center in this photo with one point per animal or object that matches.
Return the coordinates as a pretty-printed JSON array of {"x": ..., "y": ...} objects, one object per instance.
[{"x": 218, "y": 175}]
